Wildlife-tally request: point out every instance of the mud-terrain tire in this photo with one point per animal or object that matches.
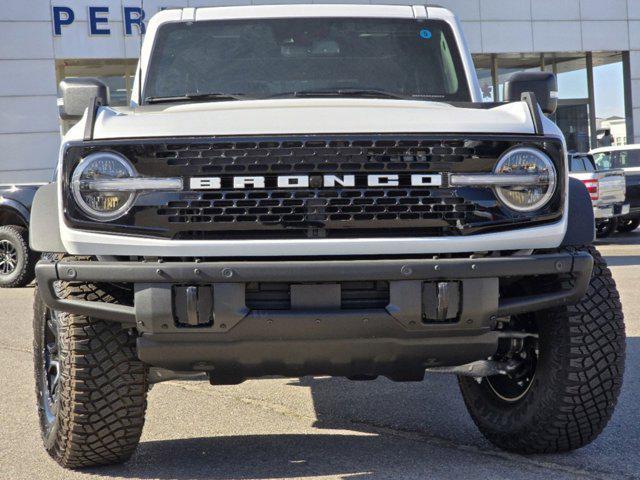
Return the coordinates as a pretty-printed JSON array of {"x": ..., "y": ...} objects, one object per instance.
[
  {"x": 628, "y": 225},
  {"x": 95, "y": 413},
  {"x": 606, "y": 228},
  {"x": 17, "y": 262},
  {"x": 577, "y": 377}
]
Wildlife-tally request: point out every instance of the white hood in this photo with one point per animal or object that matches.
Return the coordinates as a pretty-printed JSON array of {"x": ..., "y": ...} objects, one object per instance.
[{"x": 308, "y": 116}]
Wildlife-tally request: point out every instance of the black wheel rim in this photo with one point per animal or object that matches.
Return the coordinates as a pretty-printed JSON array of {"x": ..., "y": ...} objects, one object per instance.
[
  {"x": 8, "y": 258},
  {"x": 515, "y": 385},
  {"x": 51, "y": 372}
]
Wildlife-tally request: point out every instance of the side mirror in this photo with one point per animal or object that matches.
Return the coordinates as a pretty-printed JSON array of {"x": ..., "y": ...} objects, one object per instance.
[
  {"x": 78, "y": 93},
  {"x": 543, "y": 84}
]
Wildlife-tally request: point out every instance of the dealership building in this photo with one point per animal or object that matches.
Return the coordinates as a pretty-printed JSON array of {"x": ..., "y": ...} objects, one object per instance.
[{"x": 44, "y": 41}]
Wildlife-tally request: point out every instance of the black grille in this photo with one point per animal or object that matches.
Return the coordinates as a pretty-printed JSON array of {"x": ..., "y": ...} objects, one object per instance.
[
  {"x": 316, "y": 211},
  {"x": 317, "y": 155},
  {"x": 320, "y": 208},
  {"x": 354, "y": 295}
]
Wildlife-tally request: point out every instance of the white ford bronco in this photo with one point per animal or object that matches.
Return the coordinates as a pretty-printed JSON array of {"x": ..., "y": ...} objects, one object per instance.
[{"x": 318, "y": 190}]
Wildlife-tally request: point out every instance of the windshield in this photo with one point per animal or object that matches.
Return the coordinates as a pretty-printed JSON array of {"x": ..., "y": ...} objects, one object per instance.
[{"x": 262, "y": 58}]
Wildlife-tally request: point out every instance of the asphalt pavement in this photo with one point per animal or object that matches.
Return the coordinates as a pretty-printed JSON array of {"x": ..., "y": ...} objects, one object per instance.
[{"x": 317, "y": 427}]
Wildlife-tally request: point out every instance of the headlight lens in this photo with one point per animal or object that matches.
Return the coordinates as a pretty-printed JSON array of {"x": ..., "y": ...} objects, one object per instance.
[
  {"x": 527, "y": 161},
  {"x": 103, "y": 206}
]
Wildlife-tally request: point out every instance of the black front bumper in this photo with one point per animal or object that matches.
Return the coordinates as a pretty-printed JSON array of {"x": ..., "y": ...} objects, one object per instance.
[{"x": 315, "y": 335}]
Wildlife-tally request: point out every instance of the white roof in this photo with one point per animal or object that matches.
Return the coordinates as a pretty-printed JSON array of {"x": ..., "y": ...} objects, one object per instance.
[
  {"x": 303, "y": 10},
  {"x": 633, "y": 146}
]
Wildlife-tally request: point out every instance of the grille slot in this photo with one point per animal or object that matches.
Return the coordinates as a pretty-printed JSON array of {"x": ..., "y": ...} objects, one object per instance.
[
  {"x": 354, "y": 295},
  {"x": 364, "y": 295},
  {"x": 268, "y": 296}
]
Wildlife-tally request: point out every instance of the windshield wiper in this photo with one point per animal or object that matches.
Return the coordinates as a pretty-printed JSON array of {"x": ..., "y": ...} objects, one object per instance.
[
  {"x": 197, "y": 97},
  {"x": 344, "y": 92}
]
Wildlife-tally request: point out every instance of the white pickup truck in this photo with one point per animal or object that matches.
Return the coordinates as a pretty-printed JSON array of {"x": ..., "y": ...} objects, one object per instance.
[
  {"x": 607, "y": 189},
  {"x": 319, "y": 190},
  {"x": 626, "y": 158}
]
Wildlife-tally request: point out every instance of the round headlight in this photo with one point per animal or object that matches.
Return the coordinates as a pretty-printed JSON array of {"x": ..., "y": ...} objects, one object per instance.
[
  {"x": 527, "y": 198},
  {"x": 97, "y": 203}
]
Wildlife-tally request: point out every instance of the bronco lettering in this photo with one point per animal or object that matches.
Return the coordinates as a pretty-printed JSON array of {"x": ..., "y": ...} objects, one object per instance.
[{"x": 303, "y": 181}]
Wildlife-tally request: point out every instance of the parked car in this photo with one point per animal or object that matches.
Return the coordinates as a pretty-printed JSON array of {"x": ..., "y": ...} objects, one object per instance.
[
  {"x": 17, "y": 261},
  {"x": 627, "y": 158},
  {"x": 607, "y": 189},
  {"x": 319, "y": 190}
]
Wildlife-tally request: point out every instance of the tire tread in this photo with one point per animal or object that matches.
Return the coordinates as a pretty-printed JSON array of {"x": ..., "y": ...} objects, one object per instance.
[
  {"x": 103, "y": 388},
  {"x": 28, "y": 272},
  {"x": 588, "y": 364}
]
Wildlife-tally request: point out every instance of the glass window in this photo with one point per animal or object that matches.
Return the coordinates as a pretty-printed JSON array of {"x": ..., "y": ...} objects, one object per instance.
[
  {"x": 582, "y": 163},
  {"x": 589, "y": 163},
  {"x": 573, "y": 84},
  {"x": 577, "y": 165},
  {"x": 603, "y": 160},
  {"x": 486, "y": 87},
  {"x": 572, "y": 117},
  {"x": 626, "y": 158},
  {"x": 483, "y": 64},
  {"x": 618, "y": 159},
  {"x": 510, "y": 63},
  {"x": 118, "y": 75},
  {"x": 261, "y": 58}
]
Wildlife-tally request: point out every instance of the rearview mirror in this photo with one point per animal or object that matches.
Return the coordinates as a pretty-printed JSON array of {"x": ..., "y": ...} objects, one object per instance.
[
  {"x": 543, "y": 84},
  {"x": 77, "y": 94}
]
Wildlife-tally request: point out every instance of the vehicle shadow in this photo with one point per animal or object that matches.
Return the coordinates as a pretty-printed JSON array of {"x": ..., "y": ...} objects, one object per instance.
[
  {"x": 435, "y": 408},
  {"x": 630, "y": 238},
  {"x": 374, "y": 418},
  {"x": 622, "y": 260},
  {"x": 283, "y": 456}
]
